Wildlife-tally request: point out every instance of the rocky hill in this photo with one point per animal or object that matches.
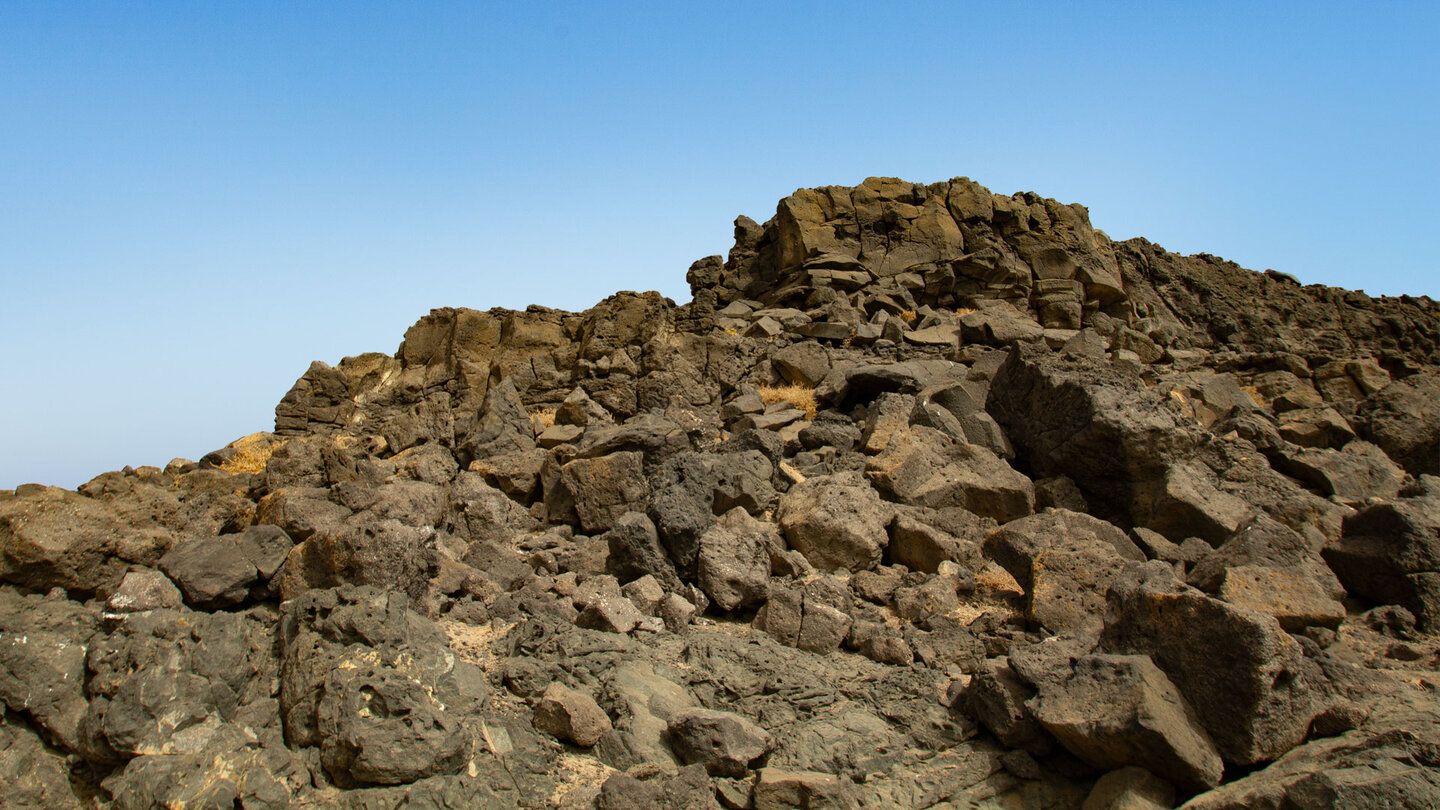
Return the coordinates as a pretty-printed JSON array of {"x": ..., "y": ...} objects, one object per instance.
[{"x": 930, "y": 498}]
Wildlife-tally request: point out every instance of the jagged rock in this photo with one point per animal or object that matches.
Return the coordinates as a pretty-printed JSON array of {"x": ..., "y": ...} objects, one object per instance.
[
  {"x": 36, "y": 778},
  {"x": 734, "y": 561},
  {"x": 612, "y": 614},
  {"x": 1352, "y": 475},
  {"x": 605, "y": 488},
  {"x": 1403, "y": 418},
  {"x": 52, "y": 538},
  {"x": 1096, "y": 424},
  {"x": 1064, "y": 561},
  {"x": 43, "y": 646},
  {"x": 635, "y": 551},
  {"x": 570, "y": 715},
  {"x": 378, "y": 725},
  {"x": 1248, "y": 681},
  {"x": 1294, "y": 599},
  {"x": 143, "y": 590},
  {"x": 1265, "y": 542},
  {"x": 803, "y": 364},
  {"x": 999, "y": 698},
  {"x": 924, "y": 467},
  {"x": 921, "y": 546},
  {"x": 835, "y": 521},
  {"x": 1119, "y": 710},
  {"x": 725, "y": 743},
  {"x": 1390, "y": 554}
]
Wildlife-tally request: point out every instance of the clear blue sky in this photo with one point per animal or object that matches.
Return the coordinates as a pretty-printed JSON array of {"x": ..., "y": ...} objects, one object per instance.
[{"x": 198, "y": 199}]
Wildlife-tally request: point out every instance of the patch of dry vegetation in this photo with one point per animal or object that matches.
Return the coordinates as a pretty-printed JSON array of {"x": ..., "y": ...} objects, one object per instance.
[
  {"x": 798, "y": 395},
  {"x": 251, "y": 453}
]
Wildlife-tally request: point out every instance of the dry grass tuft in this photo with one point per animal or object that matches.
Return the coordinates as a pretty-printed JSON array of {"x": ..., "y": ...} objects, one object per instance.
[
  {"x": 251, "y": 454},
  {"x": 542, "y": 418},
  {"x": 1255, "y": 395},
  {"x": 964, "y": 310},
  {"x": 797, "y": 395},
  {"x": 909, "y": 315}
]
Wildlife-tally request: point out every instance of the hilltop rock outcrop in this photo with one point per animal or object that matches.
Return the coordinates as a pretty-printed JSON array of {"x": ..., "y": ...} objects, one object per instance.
[{"x": 929, "y": 497}]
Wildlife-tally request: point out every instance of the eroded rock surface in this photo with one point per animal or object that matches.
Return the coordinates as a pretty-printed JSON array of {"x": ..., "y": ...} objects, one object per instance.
[{"x": 930, "y": 497}]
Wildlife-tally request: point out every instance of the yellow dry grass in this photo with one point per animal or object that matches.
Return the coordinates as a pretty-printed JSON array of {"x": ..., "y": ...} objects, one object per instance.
[
  {"x": 1255, "y": 395},
  {"x": 908, "y": 315},
  {"x": 964, "y": 310},
  {"x": 798, "y": 395},
  {"x": 543, "y": 417},
  {"x": 251, "y": 453}
]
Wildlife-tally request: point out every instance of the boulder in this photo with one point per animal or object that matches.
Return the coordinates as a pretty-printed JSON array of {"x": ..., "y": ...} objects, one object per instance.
[
  {"x": 1403, "y": 419},
  {"x": 1097, "y": 424},
  {"x": 379, "y": 726},
  {"x": 836, "y": 521},
  {"x": 570, "y": 715},
  {"x": 1390, "y": 555},
  {"x": 734, "y": 561},
  {"x": 921, "y": 466},
  {"x": 635, "y": 552},
  {"x": 725, "y": 743},
  {"x": 1118, "y": 710},
  {"x": 52, "y": 538},
  {"x": 1064, "y": 561},
  {"x": 605, "y": 488},
  {"x": 1248, "y": 681}
]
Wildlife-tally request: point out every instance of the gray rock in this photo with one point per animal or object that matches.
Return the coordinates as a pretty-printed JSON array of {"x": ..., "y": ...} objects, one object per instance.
[
  {"x": 802, "y": 364},
  {"x": 734, "y": 561},
  {"x": 923, "y": 467},
  {"x": 1247, "y": 680},
  {"x": 143, "y": 590},
  {"x": 1390, "y": 554},
  {"x": 379, "y": 726},
  {"x": 836, "y": 521},
  {"x": 1119, "y": 710},
  {"x": 605, "y": 488},
  {"x": 635, "y": 551},
  {"x": 611, "y": 614},
  {"x": 1064, "y": 561},
  {"x": 725, "y": 743},
  {"x": 43, "y": 646},
  {"x": 570, "y": 715},
  {"x": 1352, "y": 475},
  {"x": 213, "y": 572},
  {"x": 1403, "y": 418}
]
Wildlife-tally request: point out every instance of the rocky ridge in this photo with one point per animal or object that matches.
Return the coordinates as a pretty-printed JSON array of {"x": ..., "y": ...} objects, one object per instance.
[{"x": 930, "y": 497}]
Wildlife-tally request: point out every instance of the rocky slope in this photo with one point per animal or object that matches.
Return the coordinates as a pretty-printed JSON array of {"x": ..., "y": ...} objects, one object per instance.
[{"x": 930, "y": 498}]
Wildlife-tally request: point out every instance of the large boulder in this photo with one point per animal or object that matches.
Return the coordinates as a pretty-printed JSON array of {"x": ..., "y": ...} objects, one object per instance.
[
  {"x": 53, "y": 538},
  {"x": 605, "y": 488},
  {"x": 725, "y": 743},
  {"x": 922, "y": 466},
  {"x": 1248, "y": 681},
  {"x": 1118, "y": 710},
  {"x": 734, "y": 562},
  {"x": 1390, "y": 554},
  {"x": 1403, "y": 418},
  {"x": 836, "y": 521},
  {"x": 1096, "y": 423},
  {"x": 1064, "y": 561}
]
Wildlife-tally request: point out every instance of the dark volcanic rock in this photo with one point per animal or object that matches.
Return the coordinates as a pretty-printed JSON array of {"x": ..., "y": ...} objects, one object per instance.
[{"x": 861, "y": 525}]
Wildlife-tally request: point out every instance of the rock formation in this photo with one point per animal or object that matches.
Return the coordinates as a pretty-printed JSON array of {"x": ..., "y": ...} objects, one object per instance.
[{"x": 930, "y": 497}]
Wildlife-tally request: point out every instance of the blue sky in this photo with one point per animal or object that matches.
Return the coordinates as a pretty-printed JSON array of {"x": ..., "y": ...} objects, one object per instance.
[{"x": 198, "y": 199}]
